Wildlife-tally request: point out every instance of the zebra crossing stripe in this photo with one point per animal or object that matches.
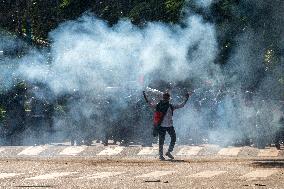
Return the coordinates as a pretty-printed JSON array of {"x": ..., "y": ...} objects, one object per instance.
[
  {"x": 207, "y": 174},
  {"x": 155, "y": 174},
  {"x": 33, "y": 150},
  {"x": 101, "y": 175},
  {"x": 148, "y": 151},
  {"x": 8, "y": 175},
  {"x": 229, "y": 151},
  {"x": 268, "y": 152},
  {"x": 2, "y": 149},
  {"x": 111, "y": 151},
  {"x": 50, "y": 176},
  {"x": 260, "y": 174},
  {"x": 72, "y": 150},
  {"x": 189, "y": 151}
]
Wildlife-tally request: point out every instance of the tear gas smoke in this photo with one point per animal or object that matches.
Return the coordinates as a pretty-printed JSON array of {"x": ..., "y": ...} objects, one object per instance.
[
  {"x": 203, "y": 3},
  {"x": 101, "y": 65},
  {"x": 8, "y": 67}
]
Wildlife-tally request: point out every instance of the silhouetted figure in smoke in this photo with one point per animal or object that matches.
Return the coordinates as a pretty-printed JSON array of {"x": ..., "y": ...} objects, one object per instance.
[
  {"x": 127, "y": 122},
  {"x": 90, "y": 128},
  {"x": 166, "y": 122},
  {"x": 264, "y": 127},
  {"x": 76, "y": 119},
  {"x": 143, "y": 120},
  {"x": 279, "y": 136},
  {"x": 248, "y": 121},
  {"x": 3, "y": 125},
  {"x": 106, "y": 131},
  {"x": 41, "y": 115},
  {"x": 122, "y": 132},
  {"x": 16, "y": 115},
  {"x": 100, "y": 121},
  {"x": 111, "y": 126}
]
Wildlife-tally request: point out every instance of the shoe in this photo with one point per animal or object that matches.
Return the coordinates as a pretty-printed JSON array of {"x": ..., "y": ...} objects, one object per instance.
[
  {"x": 105, "y": 144},
  {"x": 162, "y": 158},
  {"x": 277, "y": 146},
  {"x": 72, "y": 142},
  {"x": 170, "y": 155}
]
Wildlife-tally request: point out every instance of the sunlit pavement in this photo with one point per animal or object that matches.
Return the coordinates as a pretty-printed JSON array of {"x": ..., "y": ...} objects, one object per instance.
[
  {"x": 142, "y": 173},
  {"x": 98, "y": 166}
]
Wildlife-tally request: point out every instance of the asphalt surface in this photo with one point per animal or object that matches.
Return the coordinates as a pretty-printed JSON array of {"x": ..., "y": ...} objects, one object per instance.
[{"x": 137, "y": 167}]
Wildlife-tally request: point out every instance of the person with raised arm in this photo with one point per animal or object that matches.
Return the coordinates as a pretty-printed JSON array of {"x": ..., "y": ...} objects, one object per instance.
[{"x": 163, "y": 121}]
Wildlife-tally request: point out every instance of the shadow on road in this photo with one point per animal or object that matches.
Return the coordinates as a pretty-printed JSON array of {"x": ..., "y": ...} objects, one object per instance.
[
  {"x": 176, "y": 160},
  {"x": 33, "y": 186},
  {"x": 268, "y": 163}
]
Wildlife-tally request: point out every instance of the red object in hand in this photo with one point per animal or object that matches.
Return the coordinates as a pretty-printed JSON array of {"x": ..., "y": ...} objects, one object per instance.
[{"x": 158, "y": 118}]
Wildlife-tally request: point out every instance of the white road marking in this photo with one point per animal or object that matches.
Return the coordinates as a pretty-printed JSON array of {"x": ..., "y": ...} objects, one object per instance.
[
  {"x": 33, "y": 150},
  {"x": 148, "y": 151},
  {"x": 101, "y": 175},
  {"x": 260, "y": 174},
  {"x": 189, "y": 151},
  {"x": 207, "y": 174},
  {"x": 50, "y": 176},
  {"x": 2, "y": 149},
  {"x": 8, "y": 175},
  {"x": 72, "y": 150},
  {"x": 111, "y": 151},
  {"x": 268, "y": 152},
  {"x": 155, "y": 174},
  {"x": 229, "y": 151}
]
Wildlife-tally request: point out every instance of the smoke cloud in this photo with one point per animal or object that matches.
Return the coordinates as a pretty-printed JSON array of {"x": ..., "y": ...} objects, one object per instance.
[
  {"x": 89, "y": 55},
  {"x": 203, "y": 3}
]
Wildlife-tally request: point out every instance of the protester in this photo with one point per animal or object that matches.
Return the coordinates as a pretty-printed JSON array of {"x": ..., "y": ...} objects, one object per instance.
[
  {"x": 279, "y": 135},
  {"x": 16, "y": 115},
  {"x": 165, "y": 124}
]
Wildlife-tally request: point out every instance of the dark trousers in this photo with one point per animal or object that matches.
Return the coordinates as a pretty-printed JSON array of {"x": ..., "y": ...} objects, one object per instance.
[{"x": 162, "y": 135}]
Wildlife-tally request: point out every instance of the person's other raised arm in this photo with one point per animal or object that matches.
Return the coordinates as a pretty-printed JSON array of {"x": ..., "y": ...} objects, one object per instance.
[
  {"x": 151, "y": 104},
  {"x": 145, "y": 97},
  {"x": 158, "y": 95},
  {"x": 181, "y": 105}
]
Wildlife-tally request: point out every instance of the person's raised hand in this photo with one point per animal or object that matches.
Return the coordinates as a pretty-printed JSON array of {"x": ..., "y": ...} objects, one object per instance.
[{"x": 188, "y": 94}]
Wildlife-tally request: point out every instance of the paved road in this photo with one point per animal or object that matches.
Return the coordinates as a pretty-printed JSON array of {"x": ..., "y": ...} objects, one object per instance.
[
  {"x": 143, "y": 173},
  {"x": 206, "y": 166}
]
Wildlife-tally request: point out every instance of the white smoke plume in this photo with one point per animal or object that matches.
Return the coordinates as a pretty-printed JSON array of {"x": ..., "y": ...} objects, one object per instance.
[
  {"x": 89, "y": 55},
  {"x": 203, "y": 3}
]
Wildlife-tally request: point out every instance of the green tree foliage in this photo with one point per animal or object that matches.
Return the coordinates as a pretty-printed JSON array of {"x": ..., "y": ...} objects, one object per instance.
[
  {"x": 71, "y": 9},
  {"x": 140, "y": 13},
  {"x": 65, "y": 3},
  {"x": 231, "y": 17},
  {"x": 2, "y": 114},
  {"x": 228, "y": 26},
  {"x": 173, "y": 8},
  {"x": 43, "y": 16},
  {"x": 111, "y": 10}
]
